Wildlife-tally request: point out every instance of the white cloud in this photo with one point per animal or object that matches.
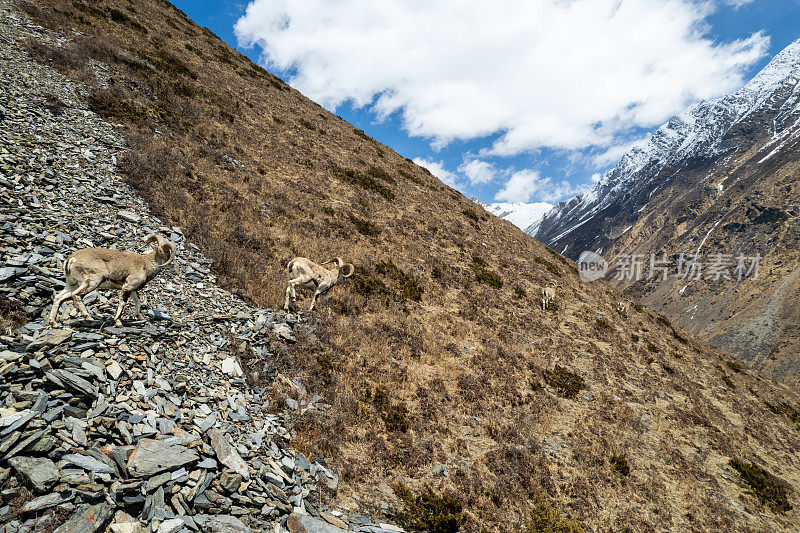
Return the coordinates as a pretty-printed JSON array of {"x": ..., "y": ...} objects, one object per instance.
[
  {"x": 478, "y": 171},
  {"x": 562, "y": 74},
  {"x": 738, "y": 3},
  {"x": 527, "y": 185},
  {"x": 438, "y": 170},
  {"x": 613, "y": 153}
]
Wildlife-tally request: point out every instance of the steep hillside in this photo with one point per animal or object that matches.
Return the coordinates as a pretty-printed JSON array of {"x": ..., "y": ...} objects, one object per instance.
[
  {"x": 448, "y": 396},
  {"x": 720, "y": 178}
]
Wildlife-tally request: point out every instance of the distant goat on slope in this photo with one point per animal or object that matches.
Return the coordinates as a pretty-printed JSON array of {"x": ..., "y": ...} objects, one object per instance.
[
  {"x": 302, "y": 272},
  {"x": 549, "y": 294}
]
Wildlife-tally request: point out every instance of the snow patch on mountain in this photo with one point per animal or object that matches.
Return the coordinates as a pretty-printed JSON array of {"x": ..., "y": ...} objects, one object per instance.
[{"x": 521, "y": 214}]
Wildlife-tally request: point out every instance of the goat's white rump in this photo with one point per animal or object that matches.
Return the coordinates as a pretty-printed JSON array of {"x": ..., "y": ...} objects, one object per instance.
[
  {"x": 302, "y": 272},
  {"x": 89, "y": 269}
]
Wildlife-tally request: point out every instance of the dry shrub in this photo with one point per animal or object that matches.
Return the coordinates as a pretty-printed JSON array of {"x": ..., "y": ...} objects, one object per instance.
[{"x": 12, "y": 314}]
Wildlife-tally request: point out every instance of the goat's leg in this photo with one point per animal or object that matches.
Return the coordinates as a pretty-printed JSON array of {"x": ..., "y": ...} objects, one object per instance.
[
  {"x": 314, "y": 300},
  {"x": 57, "y": 301},
  {"x": 291, "y": 292},
  {"x": 77, "y": 299},
  {"x": 286, "y": 300},
  {"x": 137, "y": 305},
  {"x": 86, "y": 287},
  {"x": 124, "y": 294}
]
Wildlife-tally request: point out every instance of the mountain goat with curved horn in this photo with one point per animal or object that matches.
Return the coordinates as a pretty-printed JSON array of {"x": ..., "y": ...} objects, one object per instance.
[
  {"x": 89, "y": 269},
  {"x": 302, "y": 272},
  {"x": 549, "y": 294}
]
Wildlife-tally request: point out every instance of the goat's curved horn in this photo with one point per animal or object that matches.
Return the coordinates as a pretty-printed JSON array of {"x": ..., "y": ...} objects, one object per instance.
[
  {"x": 338, "y": 261},
  {"x": 152, "y": 238},
  {"x": 173, "y": 251},
  {"x": 350, "y": 271},
  {"x": 553, "y": 283}
]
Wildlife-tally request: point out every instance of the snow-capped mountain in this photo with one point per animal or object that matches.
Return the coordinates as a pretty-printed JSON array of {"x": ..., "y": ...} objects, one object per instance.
[
  {"x": 705, "y": 132},
  {"x": 720, "y": 180},
  {"x": 525, "y": 216}
]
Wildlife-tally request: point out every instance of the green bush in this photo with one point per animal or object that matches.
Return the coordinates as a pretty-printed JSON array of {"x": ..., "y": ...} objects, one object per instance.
[
  {"x": 470, "y": 214},
  {"x": 550, "y": 267},
  {"x": 785, "y": 409},
  {"x": 387, "y": 280},
  {"x": 766, "y": 487},
  {"x": 407, "y": 287},
  {"x": 603, "y": 323},
  {"x": 114, "y": 105},
  {"x": 409, "y": 176},
  {"x": 620, "y": 465},
  {"x": 428, "y": 511},
  {"x": 546, "y": 518},
  {"x": 736, "y": 366},
  {"x": 365, "y": 181},
  {"x": 484, "y": 274},
  {"x": 365, "y": 227},
  {"x": 519, "y": 292},
  {"x": 395, "y": 416},
  {"x": 728, "y": 382},
  {"x": 567, "y": 384}
]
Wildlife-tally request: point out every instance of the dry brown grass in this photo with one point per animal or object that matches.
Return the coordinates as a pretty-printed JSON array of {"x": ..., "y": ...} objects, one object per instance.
[
  {"x": 433, "y": 354},
  {"x": 12, "y": 315}
]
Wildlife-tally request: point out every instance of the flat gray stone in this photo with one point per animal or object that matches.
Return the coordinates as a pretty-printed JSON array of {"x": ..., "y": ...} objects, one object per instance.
[
  {"x": 43, "y": 502},
  {"x": 9, "y": 356},
  {"x": 39, "y": 472},
  {"x": 170, "y": 526},
  {"x": 88, "y": 463},
  {"x": 223, "y": 524},
  {"x": 151, "y": 457},
  {"x": 227, "y": 454},
  {"x": 129, "y": 216},
  {"x": 312, "y": 525},
  {"x": 88, "y": 519},
  {"x": 49, "y": 338}
]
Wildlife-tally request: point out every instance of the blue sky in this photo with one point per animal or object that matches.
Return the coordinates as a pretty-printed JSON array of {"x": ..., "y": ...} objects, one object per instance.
[{"x": 514, "y": 100}]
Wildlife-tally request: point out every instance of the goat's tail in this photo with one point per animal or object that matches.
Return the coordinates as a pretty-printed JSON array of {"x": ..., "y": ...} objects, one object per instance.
[{"x": 68, "y": 266}]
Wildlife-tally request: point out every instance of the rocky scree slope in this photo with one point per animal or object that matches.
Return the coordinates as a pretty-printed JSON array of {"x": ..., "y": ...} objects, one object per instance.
[
  {"x": 439, "y": 367},
  {"x": 147, "y": 427},
  {"x": 720, "y": 178}
]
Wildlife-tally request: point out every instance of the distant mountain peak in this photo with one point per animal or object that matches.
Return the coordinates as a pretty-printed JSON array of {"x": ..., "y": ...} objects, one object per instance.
[
  {"x": 526, "y": 216},
  {"x": 704, "y": 131}
]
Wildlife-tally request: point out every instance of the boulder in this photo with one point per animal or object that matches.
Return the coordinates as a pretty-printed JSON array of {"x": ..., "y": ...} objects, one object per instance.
[
  {"x": 39, "y": 472},
  {"x": 151, "y": 457}
]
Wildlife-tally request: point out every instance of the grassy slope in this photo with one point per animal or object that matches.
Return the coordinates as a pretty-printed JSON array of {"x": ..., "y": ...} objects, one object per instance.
[{"x": 466, "y": 376}]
